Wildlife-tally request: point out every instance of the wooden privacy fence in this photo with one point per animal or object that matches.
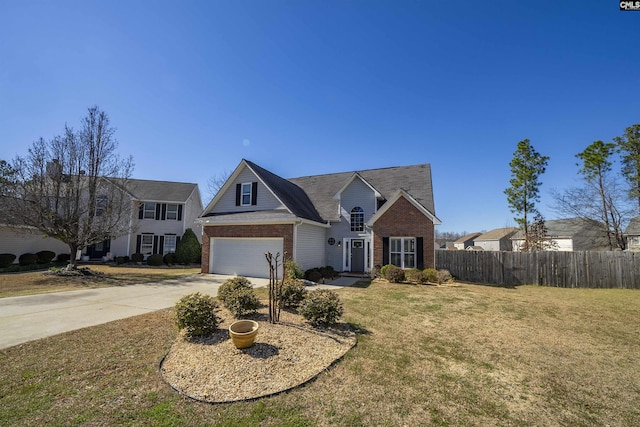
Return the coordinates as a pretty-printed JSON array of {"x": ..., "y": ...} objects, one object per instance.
[{"x": 552, "y": 268}]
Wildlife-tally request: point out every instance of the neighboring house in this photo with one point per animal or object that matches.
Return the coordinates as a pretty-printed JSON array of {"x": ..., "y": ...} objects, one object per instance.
[
  {"x": 633, "y": 234},
  {"x": 352, "y": 221},
  {"x": 496, "y": 240},
  {"x": 466, "y": 241},
  {"x": 571, "y": 234},
  {"x": 162, "y": 211}
]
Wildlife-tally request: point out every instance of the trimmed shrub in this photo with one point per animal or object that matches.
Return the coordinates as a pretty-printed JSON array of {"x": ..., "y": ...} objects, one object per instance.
[
  {"x": 393, "y": 274},
  {"x": 155, "y": 260},
  {"x": 384, "y": 269},
  {"x": 63, "y": 258},
  {"x": 416, "y": 276},
  {"x": 196, "y": 314},
  {"x": 315, "y": 276},
  {"x": 120, "y": 260},
  {"x": 170, "y": 258},
  {"x": 444, "y": 276},
  {"x": 293, "y": 292},
  {"x": 231, "y": 285},
  {"x": 294, "y": 271},
  {"x": 242, "y": 301},
  {"x": 6, "y": 260},
  {"x": 321, "y": 307},
  {"x": 45, "y": 257},
  {"x": 137, "y": 257},
  {"x": 328, "y": 272},
  {"x": 188, "y": 250},
  {"x": 432, "y": 274},
  {"x": 27, "y": 259}
]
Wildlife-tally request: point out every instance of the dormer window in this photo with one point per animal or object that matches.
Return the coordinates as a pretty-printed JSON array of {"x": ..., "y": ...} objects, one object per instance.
[{"x": 357, "y": 219}]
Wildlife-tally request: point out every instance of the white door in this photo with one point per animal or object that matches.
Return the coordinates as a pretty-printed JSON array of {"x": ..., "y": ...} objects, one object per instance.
[{"x": 243, "y": 256}]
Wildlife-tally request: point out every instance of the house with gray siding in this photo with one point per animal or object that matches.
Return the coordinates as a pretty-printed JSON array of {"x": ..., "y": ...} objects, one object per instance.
[
  {"x": 352, "y": 221},
  {"x": 632, "y": 233},
  {"x": 498, "y": 239},
  {"x": 569, "y": 234}
]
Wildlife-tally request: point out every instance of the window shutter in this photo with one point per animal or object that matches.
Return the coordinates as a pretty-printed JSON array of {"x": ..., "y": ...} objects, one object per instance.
[
  {"x": 419, "y": 253},
  {"x": 177, "y": 241},
  {"x": 161, "y": 248},
  {"x": 138, "y": 243},
  {"x": 141, "y": 211},
  {"x": 179, "y": 212},
  {"x": 238, "y": 192},
  {"x": 157, "y": 210},
  {"x": 385, "y": 251},
  {"x": 254, "y": 193},
  {"x": 155, "y": 245},
  {"x": 164, "y": 211}
]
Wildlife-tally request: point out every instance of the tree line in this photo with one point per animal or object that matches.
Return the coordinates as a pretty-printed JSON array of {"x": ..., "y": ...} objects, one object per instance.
[{"x": 607, "y": 197}]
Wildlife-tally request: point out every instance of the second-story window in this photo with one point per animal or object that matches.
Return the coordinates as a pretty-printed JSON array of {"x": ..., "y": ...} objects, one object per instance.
[
  {"x": 357, "y": 219},
  {"x": 172, "y": 211},
  {"x": 149, "y": 211}
]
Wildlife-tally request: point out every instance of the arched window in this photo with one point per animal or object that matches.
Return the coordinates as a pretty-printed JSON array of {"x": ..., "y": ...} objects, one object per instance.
[{"x": 357, "y": 219}]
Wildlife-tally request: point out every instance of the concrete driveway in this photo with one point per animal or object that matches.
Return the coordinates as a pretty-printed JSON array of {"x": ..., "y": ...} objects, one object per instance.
[{"x": 28, "y": 318}]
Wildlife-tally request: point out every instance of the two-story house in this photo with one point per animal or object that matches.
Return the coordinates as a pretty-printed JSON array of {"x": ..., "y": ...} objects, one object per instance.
[
  {"x": 352, "y": 221},
  {"x": 162, "y": 212}
]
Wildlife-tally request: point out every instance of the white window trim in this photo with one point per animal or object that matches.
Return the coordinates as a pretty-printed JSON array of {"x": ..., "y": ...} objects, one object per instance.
[
  {"x": 167, "y": 237},
  {"x": 359, "y": 213},
  {"x": 346, "y": 252},
  {"x": 242, "y": 193},
  {"x": 402, "y": 251},
  {"x": 145, "y": 210},
  {"x": 169, "y": 205},
  {"x": 149, "y": 246}
]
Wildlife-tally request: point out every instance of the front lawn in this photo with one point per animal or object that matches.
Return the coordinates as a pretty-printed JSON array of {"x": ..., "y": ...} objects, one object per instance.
[
  {"x": 426, "y": 355},
  {"x": 36, "y": 282}
]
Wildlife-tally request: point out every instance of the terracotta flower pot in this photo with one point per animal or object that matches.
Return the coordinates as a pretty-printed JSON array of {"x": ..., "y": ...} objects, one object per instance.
[{"x": 243, "y": 333}]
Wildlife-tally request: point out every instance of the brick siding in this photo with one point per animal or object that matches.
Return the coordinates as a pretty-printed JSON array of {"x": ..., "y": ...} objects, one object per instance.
[
  {"x": 404, "y": 220},
  {"x": 274, "y": 230}
]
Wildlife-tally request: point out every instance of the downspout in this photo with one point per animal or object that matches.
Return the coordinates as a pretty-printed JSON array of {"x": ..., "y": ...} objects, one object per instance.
[{"x": 295, "y": 239}]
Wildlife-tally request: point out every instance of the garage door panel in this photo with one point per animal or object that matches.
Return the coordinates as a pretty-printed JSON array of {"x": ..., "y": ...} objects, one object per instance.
[{"x": 243, "y": 256}]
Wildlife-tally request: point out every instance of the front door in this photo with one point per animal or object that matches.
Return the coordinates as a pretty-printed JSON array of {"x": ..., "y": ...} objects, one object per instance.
[
  {"x": 357, "y": 255},
  {"x": 98, "y": 250}
]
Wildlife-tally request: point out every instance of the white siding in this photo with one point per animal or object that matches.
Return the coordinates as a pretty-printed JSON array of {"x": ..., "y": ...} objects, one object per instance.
[
  {"x": 12, "y": 242},
  {"x": 310, "y": 246},
  {"x": 192, "y": 210},
  {"x": 227, "y": 203},
  {"x": 563, "y": 245}
]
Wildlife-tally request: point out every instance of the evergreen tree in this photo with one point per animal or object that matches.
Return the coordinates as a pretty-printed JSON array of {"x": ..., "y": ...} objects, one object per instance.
[
  {"x": 189, "y": 249},
  {"x": 629, "y": 147},
  {"x": 526, "y": 167}
]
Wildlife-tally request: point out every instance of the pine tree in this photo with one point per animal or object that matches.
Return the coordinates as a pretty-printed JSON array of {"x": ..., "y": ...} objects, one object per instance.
[{"x": 189, "y": 249}]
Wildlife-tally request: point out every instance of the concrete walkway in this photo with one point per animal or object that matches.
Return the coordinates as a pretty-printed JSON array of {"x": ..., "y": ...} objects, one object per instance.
[{"x": 28, "y": 318}]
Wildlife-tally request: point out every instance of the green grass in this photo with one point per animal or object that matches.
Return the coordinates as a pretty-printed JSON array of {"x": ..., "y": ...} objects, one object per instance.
[{"x": 458, "y": 355}]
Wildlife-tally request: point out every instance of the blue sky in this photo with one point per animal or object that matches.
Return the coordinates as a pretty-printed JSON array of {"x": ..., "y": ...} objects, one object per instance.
[{"x": 311, "y": 87}]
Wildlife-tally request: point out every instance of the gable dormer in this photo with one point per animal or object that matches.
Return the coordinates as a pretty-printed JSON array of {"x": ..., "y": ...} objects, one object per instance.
[{"x": 357, "y": 198}]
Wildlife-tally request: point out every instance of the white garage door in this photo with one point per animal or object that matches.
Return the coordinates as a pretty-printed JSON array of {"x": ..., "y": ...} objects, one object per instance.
[{"x": 243, "y": 257}]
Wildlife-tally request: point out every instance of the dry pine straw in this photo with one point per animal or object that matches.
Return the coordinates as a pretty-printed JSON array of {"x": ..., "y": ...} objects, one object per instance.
[{"x": 284, "y": 356}]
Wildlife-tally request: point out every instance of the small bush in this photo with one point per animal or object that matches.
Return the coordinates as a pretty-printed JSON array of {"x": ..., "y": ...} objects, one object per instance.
[
  {"x": 6, "y": 260},
  {"x": 294, "y": 271},
  {"x": 63, "y": 258},
  {"x": 241, "y": 302},
  {"x": 45, "y": 257},
  {"x": 416, "y": 276},
  {"x": 432, "y": 274},
  {"x": 155, "y": 260},
  {"x": 231, "y": 285},
  {"x": 137, "y": 257},
  {"x": 196, "y": 314},
  {"x": 394, "y": 274},
  {"x": 384, "y": 269},
  {"x": 444, "y": 276},
  {"x": 315, "y": 276},
  {"x": 27, "y": 259},
  {"x": 328, "y": 272},
  {"x": 321, "y": 307},
  {"x": 309, "y": 271},
  {"x": 170, "y": 258},
  {"x": 120, "y": 260},
  {"x": 293, "y": 292}
]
